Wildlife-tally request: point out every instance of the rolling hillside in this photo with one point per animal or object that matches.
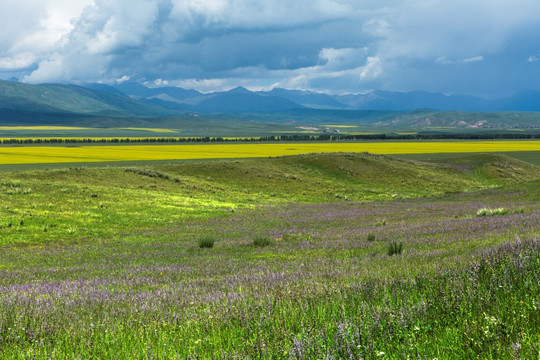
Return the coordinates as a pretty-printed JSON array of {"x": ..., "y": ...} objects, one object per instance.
[
  {"x": 324, "y": 177},
  {"x": 213, "y": 258},
  {"x": 459, "y": 119},
  {"x": 71, "y": 99}
]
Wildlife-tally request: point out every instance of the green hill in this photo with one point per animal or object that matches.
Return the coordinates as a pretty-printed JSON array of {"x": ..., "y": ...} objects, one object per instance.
[
  {"x": 464, "y": 120},
  {"x": 304, "y": 178},
  {"x": 348, "y": 176},
  {"x": 56, "y": 98},
  {"x": 87, "y": 198}
]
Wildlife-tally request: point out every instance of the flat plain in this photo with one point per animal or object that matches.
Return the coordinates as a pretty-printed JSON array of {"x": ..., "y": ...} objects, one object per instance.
[
  {"x": 343, "y": 255},
  {"x": 100, "y": 153}
]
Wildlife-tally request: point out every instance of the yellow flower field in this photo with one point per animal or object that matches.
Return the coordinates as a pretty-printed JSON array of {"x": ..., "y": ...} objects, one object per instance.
[
  {"x": 42, "y": 128},
  {"x": 148, "y": 129},
  {"x": 66, "y": 154},
  {"x": 54, "y": 128}
]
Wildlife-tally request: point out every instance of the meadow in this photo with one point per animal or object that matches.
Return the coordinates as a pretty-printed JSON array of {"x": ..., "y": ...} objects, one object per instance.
[
  {"x": 167, "y": 127},
  {"x": 344, "y": 255}
]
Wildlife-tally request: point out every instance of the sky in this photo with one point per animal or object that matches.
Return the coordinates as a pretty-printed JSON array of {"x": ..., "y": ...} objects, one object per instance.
[{"x": 488, "y": 48}]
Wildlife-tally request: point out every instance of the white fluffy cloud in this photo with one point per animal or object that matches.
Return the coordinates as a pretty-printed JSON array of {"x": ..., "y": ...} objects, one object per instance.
[
  {"x": 18, "y": 61},
  {"x": 31, "y": 29},
  {"x": 331, "y": 45},
  {"x": 473, "y": 59}
]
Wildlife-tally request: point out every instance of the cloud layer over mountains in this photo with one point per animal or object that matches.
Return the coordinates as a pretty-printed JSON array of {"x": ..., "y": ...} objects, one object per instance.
[{"x": 481, "y": 47}]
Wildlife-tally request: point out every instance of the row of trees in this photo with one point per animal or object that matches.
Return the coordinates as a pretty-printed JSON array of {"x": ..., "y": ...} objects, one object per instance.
[{"x": 334, "y": 137}]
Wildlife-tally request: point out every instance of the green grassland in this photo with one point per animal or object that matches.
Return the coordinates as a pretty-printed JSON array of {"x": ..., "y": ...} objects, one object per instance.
[
  {"x": 532, "y": 157},
  {"x": 210, "y": 126},
  {"x": 174, "y": 127},
  {"x": 469, "y": 121},
  {"x": 67, "y": 204},
  {"x": 104, "y": 262}
]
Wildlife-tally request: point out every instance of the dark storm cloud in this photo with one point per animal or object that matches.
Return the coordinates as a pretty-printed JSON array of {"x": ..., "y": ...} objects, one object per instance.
[{"x": 476, "y": 46}]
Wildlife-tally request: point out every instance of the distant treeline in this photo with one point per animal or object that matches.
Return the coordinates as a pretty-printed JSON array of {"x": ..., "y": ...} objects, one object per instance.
[{"x": 333, "y": 137}]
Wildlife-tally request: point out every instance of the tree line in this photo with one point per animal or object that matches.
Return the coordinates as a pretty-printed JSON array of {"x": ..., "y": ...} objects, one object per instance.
[{"x": 333, "y": 137}]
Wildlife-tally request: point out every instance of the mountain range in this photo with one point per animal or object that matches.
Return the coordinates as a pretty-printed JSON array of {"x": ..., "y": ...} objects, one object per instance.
[
  {"x": 243, "y": 100},
  {"x": 105, "y": 104}
]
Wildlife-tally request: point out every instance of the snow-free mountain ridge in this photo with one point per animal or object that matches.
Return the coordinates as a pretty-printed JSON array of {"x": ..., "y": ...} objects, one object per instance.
[
  {"x": 526, "y": 100},
  {"x": 130, "y": 102}
]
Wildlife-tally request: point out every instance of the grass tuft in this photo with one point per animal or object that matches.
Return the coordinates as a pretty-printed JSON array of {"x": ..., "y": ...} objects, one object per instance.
[
  {"x": 206, "y": 242},
  {"x": 491, "y": 212},
  {"x": 380, "y": 223},
  {"x": 262, "y": 241},
  {"x": 395, "y": 248}
]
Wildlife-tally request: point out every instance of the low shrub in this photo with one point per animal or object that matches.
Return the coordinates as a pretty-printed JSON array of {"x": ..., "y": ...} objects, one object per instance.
[
  {"x": 262, "y": 241},
  {"x": 381, "y": 222},
  {"x": 149, "y": 173},
  {"x": 296, "y": 237},
  {"x": 491, "y": 212},
  {"x": 371, "y": 237},
  {"x": 206, "y": 242},
  {"x": 395, "y": 248}
]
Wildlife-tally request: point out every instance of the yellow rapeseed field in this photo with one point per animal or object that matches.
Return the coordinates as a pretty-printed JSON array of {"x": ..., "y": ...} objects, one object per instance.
[
  {"x": 49, "y": 128},
  {"x": 42, "y": 128},
  {"x": 66, "y": 154},
  {"x": 93, "y": 138},
  {"x": 148, "y": 129},
  {"x": 341, "y": 126}
]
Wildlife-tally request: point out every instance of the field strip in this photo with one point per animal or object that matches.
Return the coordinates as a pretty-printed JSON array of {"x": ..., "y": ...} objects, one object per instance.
[
  {"x": 42, "y": 128},
  {"x": 62, "y": 154}
]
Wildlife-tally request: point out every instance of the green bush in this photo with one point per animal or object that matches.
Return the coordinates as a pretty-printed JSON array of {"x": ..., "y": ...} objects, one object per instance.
[
  {"x": 262, "y": 241},
  {"x": 491, "y": 212},
  {"x": 206, "y": 242},
  {"x": 297, "y": 237},
  {"x": 371, "y": 237},
  {"x": 395, "y": 248}
]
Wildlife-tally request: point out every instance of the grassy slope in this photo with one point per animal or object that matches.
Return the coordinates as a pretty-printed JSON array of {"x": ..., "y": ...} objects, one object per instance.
[
  {"x": 329, "y": 177},
  {"x": 74, "y": 204},
  {"x": 62, "y": 99},
  {"x": 459, "y": 119},
  {"x": 103, "y": 276},
  {"x": 531, "y": 157}
]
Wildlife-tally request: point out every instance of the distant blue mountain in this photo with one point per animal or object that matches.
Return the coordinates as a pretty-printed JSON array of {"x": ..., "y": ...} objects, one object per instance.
[
  {"x": 407, "y": 101},
  {"x": 238, "y": 100},
  {"x": 137, "y": 90},
  {"x": 103, "y": 87},
  {"x": 239, "y": 90},
  {"x": 308, "y": 99},
  {"x": 106, "y": 105},
  {"x": 178, "y": 98},
  {"x": 524, "y": 100}
]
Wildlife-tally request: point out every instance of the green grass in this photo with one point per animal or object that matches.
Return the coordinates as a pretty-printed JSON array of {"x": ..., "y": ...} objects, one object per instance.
[
  {"x": 119, "y": 273},
  {"x": 206, "y": 242},
  {"x": 532, "y": 157},
  {"x": 92, "y": 203},
  {"x": 262, "y": 241},
  {"x": 395, "y": 248}
]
